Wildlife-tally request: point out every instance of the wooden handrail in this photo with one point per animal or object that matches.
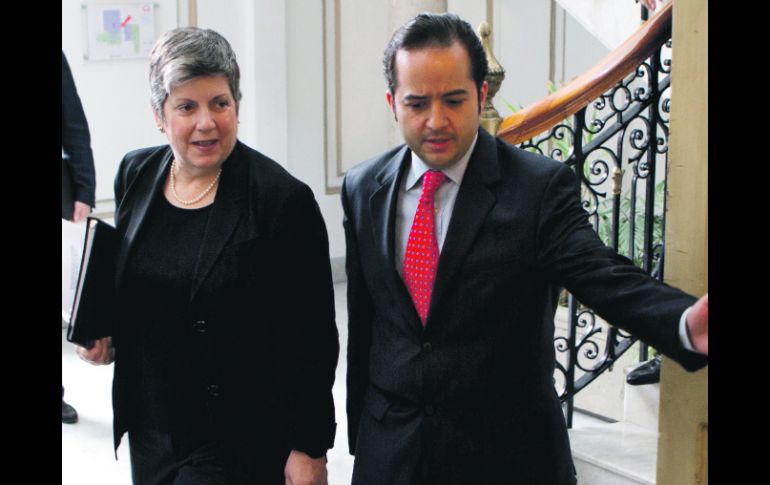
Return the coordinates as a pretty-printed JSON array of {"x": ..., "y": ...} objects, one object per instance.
[{"x": 570, "y": 99}]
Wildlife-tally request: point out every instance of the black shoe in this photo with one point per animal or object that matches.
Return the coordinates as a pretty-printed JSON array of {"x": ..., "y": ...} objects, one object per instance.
[
  {"x": 68, "y": 413},
  {"x": 646, "y": 373}
]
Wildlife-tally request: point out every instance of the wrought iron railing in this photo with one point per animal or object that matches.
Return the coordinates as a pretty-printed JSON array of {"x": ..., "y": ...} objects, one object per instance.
[{"x": 617, "y": 143}]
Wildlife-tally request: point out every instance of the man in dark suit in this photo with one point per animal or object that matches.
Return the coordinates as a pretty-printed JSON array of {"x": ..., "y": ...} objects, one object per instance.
[
  {"x": 78, "y": 182},
  {"x": 457, "y": 245}
]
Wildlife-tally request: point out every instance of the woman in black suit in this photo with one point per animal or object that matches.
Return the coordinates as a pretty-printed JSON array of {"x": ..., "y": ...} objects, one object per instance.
[{"x": 225, "y": 346}]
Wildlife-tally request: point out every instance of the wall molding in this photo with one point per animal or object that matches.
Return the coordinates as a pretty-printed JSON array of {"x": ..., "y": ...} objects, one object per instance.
[{"x": 333, "y": 172}]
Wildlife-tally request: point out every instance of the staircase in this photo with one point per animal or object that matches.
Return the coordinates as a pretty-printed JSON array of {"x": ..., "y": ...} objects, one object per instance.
[
  {"x": 610, "y": 125},
  {"x": 609, "y": 21},
  {"x": 624, "y": 452}
]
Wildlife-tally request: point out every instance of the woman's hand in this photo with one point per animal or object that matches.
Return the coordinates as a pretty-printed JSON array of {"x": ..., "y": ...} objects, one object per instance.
[
  {"x": 102, "y": 353},
  {"x": 301, "y": 469}
]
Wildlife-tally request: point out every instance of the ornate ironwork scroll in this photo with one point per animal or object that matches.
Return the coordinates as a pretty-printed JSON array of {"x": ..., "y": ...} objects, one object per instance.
[{"x": 618, "y": 147}]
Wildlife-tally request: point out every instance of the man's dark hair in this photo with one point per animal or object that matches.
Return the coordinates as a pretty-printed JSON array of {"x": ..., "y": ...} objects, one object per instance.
[{"x": 435, "y": 30}]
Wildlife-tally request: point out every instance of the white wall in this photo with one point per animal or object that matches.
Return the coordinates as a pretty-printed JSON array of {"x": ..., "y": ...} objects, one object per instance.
[
  {"x": 305, "y": 64},
  {"x": 366, "y": 120},
  {"x": 280, "y": 48},
  {"x": 581, "y": 50},
  {"x": 472, "y": 11},
  {"x": 520, "y": 40},
  {"x": 609, "y": 21},
  {"x": 115, "y": 94},
  {"x": 521, "y": 43}
]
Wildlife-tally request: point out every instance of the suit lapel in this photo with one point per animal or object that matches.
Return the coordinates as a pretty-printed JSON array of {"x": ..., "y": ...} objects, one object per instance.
[
  {"x": 382, "y": 207},
  {"x": 474, "y": 201},
  {"x": 143, "y": 194},
  {"x": 226, "y": 210}
]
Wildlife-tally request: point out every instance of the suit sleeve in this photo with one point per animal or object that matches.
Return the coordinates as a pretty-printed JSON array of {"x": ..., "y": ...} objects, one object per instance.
[
  {"x": 312, "y": 342},
  {"x": 360, "y": 316},
  {"x": 76, "y": 139},
  {"x": 573, "y": 256}
]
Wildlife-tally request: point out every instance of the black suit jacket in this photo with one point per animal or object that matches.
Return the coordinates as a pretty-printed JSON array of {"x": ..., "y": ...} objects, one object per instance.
[
  {"x": 78, "y": 178},
  {"x": 261, "y": 310},
  {"x": 470, "y": 398}
]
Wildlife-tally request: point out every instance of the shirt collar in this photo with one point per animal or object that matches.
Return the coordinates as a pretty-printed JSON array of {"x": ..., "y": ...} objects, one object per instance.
[{"x": 455, "y": 173}]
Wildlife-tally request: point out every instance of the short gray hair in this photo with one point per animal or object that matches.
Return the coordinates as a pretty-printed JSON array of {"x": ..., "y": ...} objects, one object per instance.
[{"x": 186, "y": 53}]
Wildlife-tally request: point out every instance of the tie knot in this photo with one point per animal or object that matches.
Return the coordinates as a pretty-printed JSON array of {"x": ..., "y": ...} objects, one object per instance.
[{"x": 431, "y": 182}]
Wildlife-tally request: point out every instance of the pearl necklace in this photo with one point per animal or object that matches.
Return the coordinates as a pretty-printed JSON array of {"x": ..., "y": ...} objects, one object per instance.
[{"x": 195, "y": 199}]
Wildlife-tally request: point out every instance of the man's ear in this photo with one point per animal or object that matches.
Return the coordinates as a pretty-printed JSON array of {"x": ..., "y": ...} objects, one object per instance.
[
  {"x": 483, "y": 95},
  {"x": 392, "y": 103}
]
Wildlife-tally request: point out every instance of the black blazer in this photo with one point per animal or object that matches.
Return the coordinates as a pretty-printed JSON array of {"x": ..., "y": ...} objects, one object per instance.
[
  {"x": 78, "y": 178},
  {"x": 261, "y": 310},
  {"x": 470, "y": 398}
]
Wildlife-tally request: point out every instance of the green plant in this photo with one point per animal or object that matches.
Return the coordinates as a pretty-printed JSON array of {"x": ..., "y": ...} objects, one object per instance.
[
  {"x": 510, "y": 106},
  {"x": 604, "y": 211}
]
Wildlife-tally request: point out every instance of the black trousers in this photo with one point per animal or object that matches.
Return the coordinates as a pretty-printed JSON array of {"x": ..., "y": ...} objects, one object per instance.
[{"x": 159, "y": 458}]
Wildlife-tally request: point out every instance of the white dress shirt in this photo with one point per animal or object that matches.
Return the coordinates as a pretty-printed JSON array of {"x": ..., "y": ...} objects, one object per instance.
[{"x": 444, "y": 199}]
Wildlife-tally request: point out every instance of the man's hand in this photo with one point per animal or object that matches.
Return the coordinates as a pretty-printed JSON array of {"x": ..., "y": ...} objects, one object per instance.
[
  {"x": 650, "y": 4},
  {"x": 80, "y": 212},
  {"x": 102, "y": 353},
  {"x": 698, "y": 325},
  {"x": 303, "y": 470}
]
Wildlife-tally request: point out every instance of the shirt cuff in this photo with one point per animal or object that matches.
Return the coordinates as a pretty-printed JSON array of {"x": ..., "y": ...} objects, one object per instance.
[{"x": 683, "y": 336}]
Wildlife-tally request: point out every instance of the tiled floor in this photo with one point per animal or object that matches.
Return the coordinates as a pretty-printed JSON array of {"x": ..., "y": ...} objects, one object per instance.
[{"x": 87, "y": 456}]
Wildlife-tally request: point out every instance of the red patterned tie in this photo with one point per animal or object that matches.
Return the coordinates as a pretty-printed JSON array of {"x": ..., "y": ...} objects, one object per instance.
[{"x": 421, "y": 256}]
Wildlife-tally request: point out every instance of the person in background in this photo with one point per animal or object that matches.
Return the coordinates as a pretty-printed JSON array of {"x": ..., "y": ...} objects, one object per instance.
[
  {"x": 650, "y": 4},
  {"x": 225, "y": 344},
  {"x": 78, "y": 178}
]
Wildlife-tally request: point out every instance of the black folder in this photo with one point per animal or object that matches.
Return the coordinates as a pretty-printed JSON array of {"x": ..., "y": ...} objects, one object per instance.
[{"x": 93, "y": 307}]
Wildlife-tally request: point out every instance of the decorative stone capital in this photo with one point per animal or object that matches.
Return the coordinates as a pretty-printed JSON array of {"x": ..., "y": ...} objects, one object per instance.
[{"x": 490, "y": 118}]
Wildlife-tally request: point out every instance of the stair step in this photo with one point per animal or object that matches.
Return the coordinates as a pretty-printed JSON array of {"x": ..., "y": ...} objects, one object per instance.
[
  {"x": 641, "y": 403},
  {"x": 609, "y": 21},
  {"x": 619, "y": 453}
]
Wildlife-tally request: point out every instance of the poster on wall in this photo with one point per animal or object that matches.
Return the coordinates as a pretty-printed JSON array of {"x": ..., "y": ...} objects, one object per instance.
[{"x": 119, "y": 31}]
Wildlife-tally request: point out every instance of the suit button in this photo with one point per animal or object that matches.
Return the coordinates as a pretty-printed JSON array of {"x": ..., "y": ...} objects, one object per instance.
[
  {"x": 200, "y": 326},
  {"x": 213, "y": 390},
  {"x": 427, "y": 347},
  {"x": 429, "y": 410}
]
